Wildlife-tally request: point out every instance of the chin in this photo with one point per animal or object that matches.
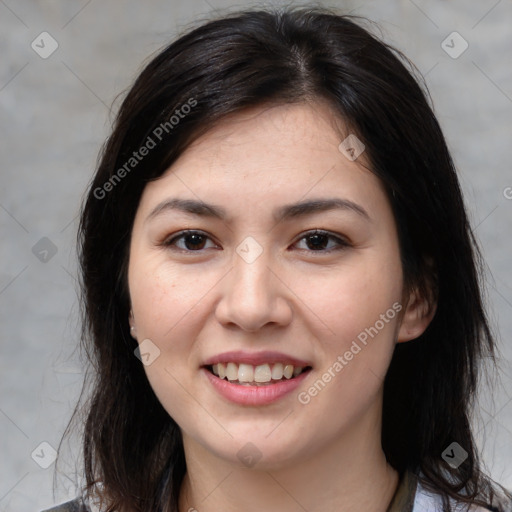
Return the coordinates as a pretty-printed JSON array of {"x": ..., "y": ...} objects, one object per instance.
[{"x": 257, "y": 451}]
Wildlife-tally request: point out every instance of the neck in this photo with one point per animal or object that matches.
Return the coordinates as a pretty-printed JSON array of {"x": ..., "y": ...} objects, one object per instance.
[{"x": 349, "y": 475}]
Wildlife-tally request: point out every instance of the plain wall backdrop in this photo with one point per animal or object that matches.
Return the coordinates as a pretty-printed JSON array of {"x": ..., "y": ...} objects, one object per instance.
[{"x": 55, "y": 113}]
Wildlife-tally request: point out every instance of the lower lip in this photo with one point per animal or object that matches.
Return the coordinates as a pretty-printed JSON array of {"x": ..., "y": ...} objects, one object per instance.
[{"x": 254, "y": 395}]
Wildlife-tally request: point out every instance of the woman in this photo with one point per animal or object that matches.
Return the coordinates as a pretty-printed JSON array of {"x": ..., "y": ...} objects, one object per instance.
[{"x": 280, "y": 283}]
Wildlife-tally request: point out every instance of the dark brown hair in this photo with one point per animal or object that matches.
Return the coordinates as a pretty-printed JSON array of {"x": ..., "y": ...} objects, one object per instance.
[{"x": 286, "y": 56}]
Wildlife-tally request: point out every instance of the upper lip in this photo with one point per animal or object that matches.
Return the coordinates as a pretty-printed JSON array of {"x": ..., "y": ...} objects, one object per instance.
[{"x": 255, "y": 358}]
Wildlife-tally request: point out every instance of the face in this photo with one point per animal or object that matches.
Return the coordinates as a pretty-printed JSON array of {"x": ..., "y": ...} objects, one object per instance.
[{"x": 290, "y": 275}]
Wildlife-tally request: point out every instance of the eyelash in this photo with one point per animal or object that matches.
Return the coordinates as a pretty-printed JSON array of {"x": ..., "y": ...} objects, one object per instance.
[{"x": 342, "y": 243}]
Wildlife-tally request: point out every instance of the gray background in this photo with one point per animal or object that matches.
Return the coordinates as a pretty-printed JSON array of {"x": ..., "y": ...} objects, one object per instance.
[{"x": 54, "y": 117}]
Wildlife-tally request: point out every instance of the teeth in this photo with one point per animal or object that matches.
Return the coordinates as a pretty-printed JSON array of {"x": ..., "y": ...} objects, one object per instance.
[
  {"x": 277, "y": 371},
  {"x": 245, "y": 373},
  {"x": 263, "y": 373},
  {"x": 288, "y": 371},
  {"x": 232, "y": 371}
]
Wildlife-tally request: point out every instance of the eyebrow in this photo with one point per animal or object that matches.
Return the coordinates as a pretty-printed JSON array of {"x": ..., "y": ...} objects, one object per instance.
[{"x": 283, "y": 213}]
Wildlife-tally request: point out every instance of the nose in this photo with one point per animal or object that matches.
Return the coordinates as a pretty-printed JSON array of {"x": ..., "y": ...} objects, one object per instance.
[{"x": 254, "y": 295}]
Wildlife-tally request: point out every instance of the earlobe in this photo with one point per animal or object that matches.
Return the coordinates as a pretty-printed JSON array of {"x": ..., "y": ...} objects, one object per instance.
[
  {"x": 131, "y": 321},
  {"x": 416, "y": 318}
]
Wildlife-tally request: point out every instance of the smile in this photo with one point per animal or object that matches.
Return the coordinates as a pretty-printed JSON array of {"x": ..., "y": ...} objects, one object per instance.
[
  {"x": 254, "y": 378},
  {"x": 261, "y": 375},
  {"x": 255, "y": 393}
]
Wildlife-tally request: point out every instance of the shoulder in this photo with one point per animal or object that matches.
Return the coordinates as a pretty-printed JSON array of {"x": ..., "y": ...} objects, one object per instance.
[
  {"x": 70, "y": 506},
  {"x": 425, "y": 501}
]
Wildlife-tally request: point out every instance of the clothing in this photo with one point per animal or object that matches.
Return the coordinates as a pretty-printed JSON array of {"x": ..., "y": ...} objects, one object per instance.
[
  {"x": 410, "y": 496},
  {"x": 71, "y": 506}
]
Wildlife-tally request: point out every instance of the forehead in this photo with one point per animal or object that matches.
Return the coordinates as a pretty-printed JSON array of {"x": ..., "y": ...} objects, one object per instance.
[
  {"x": 281, "y": 127},
  {"x": 269, "y": 155}
]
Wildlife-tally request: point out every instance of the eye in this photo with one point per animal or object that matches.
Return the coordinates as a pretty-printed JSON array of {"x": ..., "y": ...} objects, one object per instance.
[
  {"x": 193, "y": 241},
  {"x": 318, "y": 240}
]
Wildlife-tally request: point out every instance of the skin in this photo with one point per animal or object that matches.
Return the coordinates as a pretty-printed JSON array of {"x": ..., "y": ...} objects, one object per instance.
[{"x": 325, "y": 455}]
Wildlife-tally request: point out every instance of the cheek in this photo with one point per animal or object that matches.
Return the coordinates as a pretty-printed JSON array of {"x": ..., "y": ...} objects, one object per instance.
[
  {"x": 161, "y": 295},
  {"x": 351, "y": 298},
  {"x": 360, "y": 304},
  {"x": 165, "y": 307}
]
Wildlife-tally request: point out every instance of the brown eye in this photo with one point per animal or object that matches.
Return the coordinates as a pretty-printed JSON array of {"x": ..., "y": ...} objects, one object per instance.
[
  {"x": 192, "y": 241},
  {"x": 318, "y": 241}
]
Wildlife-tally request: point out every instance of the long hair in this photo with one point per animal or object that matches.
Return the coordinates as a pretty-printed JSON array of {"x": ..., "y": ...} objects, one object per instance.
[{"x": 256, "y": 57}]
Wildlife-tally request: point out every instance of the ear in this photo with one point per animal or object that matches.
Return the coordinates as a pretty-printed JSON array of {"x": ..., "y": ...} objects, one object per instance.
[
  {"x": 416, "y": 318},
  {"x": 131, "y": 321}
]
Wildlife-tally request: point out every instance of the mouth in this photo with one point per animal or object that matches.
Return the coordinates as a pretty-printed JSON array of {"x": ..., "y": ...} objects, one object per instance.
[
  {"x": 255, "y": 378},
  {"x": 266, "y": 374}
]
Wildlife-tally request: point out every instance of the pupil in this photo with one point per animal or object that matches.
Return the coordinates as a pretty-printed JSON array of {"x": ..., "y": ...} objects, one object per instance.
[
  {"x": 196, "y": 240},
  {"x": 314, "y": 241},
  {"x": 317, "y": 243}
]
